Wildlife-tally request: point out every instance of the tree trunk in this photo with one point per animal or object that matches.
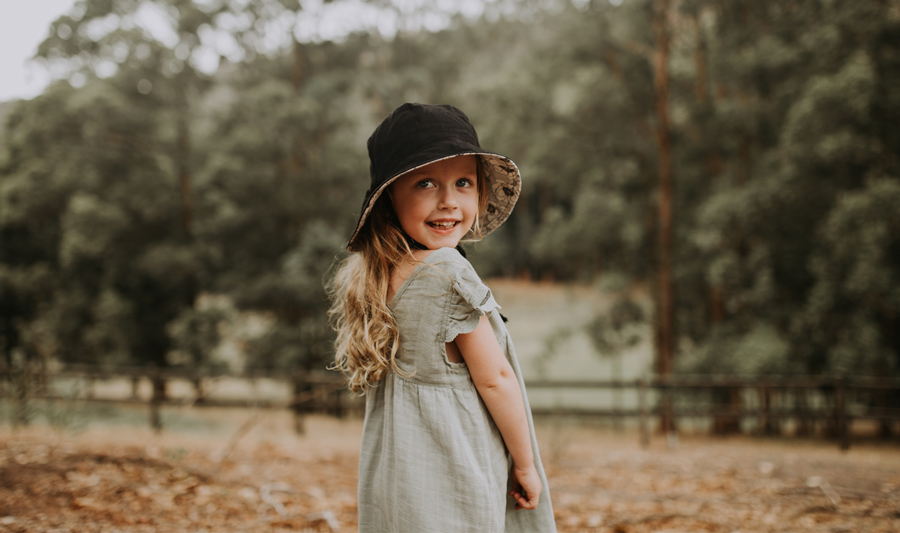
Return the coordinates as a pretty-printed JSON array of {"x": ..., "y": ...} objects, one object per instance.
[
  {"x": 701, "y": 87},
  {"x": 159, "y": 396},
  {"x": 298, "y": 65},
  {"x": 184, "y": 170},
  {"x": 716, "y": 305},
  {"x": 728, "y": 423},
  {"x": 805, "y": 423},
  {"x": 770, "y": 424},
  {"x": 665, "y": 321}
]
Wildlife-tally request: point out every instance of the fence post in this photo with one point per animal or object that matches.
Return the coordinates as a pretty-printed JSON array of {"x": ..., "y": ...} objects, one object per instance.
[
  {"x": 667, "y": 422},
  {"x": 775, "y": 398},
  {"x": 91, "y": 382},
  {"x": 300, "y": 386},
  {"x": 885, "y": 426},
  {"x": 840, "y": 393},
  {"x": 159, "y": 394},
  {"x": 338, "y": 403},
  {"x": 765, "y": 422},
  {"x": 642, "y": 406},
  {"x": 806, "y": 423},
  {"x": 199, "y": 393}
]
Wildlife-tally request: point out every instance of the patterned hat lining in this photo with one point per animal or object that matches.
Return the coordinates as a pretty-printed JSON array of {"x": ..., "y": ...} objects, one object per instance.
[{"x": 504, "y": 186}]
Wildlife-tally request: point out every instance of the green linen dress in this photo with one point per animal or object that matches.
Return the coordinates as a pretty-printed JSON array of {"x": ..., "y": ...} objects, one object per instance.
[{"x": 432, "y": 459}]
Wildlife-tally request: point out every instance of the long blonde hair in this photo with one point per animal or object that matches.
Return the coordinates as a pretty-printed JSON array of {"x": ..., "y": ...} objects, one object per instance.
[{"x": 367, "y": 337}]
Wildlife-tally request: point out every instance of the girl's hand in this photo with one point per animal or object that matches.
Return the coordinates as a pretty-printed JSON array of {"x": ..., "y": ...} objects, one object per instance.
[{"x": 526, "y": 487}]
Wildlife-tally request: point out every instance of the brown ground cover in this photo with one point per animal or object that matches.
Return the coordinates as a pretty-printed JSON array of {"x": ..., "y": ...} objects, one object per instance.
[{"x": 126, "y": 479}]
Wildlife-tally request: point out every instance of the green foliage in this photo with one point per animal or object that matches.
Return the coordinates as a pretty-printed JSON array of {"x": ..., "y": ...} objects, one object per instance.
[
  {"x": 804, "y": 135},
  {"x": 196, "y": 333},
  {"x": 856, "y": 295},
  {"x": 623, "y": 326},
  {"x": 295, "y": 295},
  {"x": 146, "y": 180},
  {"x": 19, "y": 388},
  {"x": 729, "y": 350},
  {"x": 89, "y": 199},
  {"x": 67, "y": 416}
]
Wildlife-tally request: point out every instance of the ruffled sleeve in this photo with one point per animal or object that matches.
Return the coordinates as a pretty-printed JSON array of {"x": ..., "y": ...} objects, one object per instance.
[{"x": 469, "y": 301}]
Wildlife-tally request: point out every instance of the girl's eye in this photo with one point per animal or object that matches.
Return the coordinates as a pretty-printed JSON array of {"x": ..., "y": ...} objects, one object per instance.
[
  {"x": 464, "y": 182},
  {"x": 425, "y": 184}
]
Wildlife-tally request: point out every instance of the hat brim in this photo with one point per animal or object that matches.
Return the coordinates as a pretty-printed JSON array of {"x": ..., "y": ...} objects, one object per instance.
[{"x": 504, "y": 187}]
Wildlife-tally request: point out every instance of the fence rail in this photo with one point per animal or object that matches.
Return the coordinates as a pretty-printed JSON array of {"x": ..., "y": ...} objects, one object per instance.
[{"x": 319, "y": 391}]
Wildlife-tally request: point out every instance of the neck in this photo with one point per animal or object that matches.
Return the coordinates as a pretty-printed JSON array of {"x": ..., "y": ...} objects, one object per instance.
[{"x": 416, "y": 245}]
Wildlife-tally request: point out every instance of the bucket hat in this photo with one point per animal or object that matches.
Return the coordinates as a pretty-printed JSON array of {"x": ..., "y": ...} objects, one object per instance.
[{"x": 415, "y": 135}]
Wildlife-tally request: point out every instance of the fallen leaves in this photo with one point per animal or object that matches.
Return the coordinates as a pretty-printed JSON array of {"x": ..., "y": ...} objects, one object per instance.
[
  {"x": 600, "y": 482},
  {"x": 114, "y": 487},
  {"x": 609, "y": 484}
]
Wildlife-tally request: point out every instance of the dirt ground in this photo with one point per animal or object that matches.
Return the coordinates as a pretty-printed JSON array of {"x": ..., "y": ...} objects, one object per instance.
[{"x": 127, "y": 479}]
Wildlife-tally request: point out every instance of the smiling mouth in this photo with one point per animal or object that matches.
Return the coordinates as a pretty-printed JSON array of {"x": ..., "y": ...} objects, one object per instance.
[{"x": 443, "y": 225}]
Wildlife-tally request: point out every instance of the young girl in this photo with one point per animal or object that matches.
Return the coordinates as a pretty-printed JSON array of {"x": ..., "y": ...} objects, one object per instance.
[{"x": 448, "y": 441}]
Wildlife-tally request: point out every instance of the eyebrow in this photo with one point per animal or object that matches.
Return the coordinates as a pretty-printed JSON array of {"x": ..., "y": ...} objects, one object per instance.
[{"x": 420, "y": 173}]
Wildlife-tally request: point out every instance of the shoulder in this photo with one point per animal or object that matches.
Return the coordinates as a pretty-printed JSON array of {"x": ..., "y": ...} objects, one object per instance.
[
  {"x": 448, "y": 269},
  {"x": 468, "y": 297},
  {"x": 461, "y": 275},
  {"x": 452, "y": 262}
]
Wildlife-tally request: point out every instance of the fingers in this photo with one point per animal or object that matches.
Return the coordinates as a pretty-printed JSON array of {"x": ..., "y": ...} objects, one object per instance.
[
  {"x": 522, "y": 502},
  {"x": 526, "y": 488}
]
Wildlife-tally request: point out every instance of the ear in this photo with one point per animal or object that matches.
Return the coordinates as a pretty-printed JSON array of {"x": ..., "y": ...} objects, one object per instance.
[{"x": 389, "y": 190}]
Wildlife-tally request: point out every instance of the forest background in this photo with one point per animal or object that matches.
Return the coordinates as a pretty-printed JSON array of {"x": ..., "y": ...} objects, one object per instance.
[{"x": 168, "y": 182}]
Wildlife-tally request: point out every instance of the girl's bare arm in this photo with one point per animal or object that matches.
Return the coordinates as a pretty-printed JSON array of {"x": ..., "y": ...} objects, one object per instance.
[{"x": 499, "y": 388}]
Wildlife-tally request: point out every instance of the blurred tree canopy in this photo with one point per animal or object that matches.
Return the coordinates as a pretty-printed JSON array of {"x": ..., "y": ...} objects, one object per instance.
[{"x": 212, "y": 160}]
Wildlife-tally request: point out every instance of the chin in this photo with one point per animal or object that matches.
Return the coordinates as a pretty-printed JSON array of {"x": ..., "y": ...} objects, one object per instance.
[
  {"x": 434, "y": 242},
  {"x": 441, "y": 243}
]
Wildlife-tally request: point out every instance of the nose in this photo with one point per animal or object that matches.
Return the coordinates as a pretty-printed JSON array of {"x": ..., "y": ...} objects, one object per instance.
[{"x": 447, "y": 199}]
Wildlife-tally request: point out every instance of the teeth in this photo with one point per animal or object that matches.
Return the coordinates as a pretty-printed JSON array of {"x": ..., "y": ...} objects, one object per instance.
[{"x": 445, "y": 225}]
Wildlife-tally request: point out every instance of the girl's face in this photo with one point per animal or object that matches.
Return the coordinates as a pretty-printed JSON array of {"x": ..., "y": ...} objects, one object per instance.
[{"x": 437, "y": 204}]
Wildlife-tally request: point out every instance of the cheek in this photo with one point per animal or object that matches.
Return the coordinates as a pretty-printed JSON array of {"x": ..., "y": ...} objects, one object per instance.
[
  {"x": 472, "y": 205},
  {"x": 409, "y": 209}
]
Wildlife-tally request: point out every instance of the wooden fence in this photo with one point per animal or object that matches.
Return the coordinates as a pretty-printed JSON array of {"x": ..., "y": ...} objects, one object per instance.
[
  {"x": 769, "y": 400},
  {"x": 840, "y": 401}
]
